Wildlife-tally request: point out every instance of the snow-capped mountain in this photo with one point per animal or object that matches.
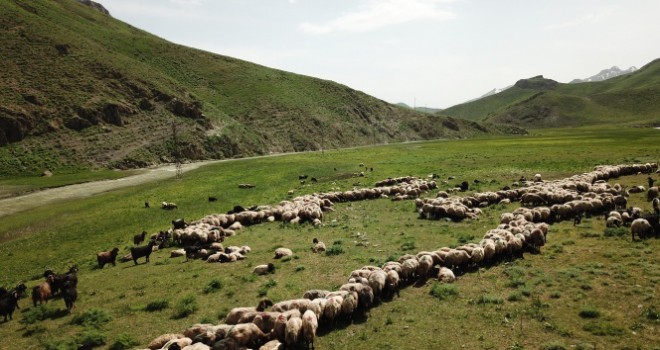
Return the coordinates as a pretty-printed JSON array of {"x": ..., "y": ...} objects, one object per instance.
[{"x": 605, "y": 74}]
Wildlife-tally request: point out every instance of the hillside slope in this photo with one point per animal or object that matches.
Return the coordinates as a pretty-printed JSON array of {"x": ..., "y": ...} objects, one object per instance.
[
  {"x": 538, "y": 102},
  {"x": 79, "y": 89}
]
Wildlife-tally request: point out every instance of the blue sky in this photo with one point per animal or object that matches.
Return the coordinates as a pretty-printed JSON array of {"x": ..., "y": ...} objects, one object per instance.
[{"x": 433, "y": 53}]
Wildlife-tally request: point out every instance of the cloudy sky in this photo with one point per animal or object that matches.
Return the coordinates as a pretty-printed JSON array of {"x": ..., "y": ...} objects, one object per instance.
[{"x": 433, "y": 53}]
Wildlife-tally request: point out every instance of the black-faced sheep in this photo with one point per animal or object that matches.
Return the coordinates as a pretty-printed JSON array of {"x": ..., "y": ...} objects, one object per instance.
[
  {"x": 179, "y": 224},
  {"x": 264, "y": 269},
  {"x": 168, "y": 205},
  {"x": 318, "y": 246},
  {"x": 142, "y": 251},
  {"x": 107, "y": 257}
]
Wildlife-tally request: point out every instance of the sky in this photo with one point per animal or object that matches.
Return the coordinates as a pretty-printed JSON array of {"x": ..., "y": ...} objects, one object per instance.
[{"x": 425, "y": 53}]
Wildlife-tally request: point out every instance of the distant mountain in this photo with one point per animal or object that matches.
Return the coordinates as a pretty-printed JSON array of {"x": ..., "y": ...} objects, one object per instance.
[
  {"x": 489, "y": 93},
  {"x": 605, "y": 74},
  {"x": 80, "y": 89},
  {"x": 543, "y": 103},
  {"x": 420, "y": 109}
]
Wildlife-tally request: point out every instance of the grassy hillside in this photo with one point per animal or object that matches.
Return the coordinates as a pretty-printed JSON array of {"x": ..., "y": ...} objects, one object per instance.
[
  {"x": 79, "y": 88},
  {"x": 541, "y": 103},
  {"x": 531, "y": 303}
]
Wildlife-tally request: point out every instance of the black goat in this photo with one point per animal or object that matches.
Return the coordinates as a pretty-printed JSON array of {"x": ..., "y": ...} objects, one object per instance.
[
  {"x": 179, "y": 223},
  {"x": 137, "y": 239},
  {"x": 8, "y": 303},
  {"x": 69, "y": 294},
  {"x": 142, "y": 251},
  {"x": 191, "y": 250},
  {"x": 213, "y": 199}
]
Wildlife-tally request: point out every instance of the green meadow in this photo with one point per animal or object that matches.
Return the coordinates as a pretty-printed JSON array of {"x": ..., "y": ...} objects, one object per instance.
[{"x": 589, "y": 288}]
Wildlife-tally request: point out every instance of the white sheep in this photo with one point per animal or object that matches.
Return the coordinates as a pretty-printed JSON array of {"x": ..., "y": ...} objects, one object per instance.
[
  {"x": 446, "y": 275},
  {"x": 282, "y": 252},
  {"x": 292, "y": 332},
  {"x": 263, "y": 269},
  {"x": 310, "y": 324},
  {"x": 641, "y": 227}
]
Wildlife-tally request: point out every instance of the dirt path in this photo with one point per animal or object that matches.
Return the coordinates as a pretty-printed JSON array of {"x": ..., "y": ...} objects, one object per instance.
[{"x": 14, "y": 205}]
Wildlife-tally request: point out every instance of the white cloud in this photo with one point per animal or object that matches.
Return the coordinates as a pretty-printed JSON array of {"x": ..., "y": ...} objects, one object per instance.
[
  {"x": 374, "y": 14},
  {"x": 187, "y": 2}
]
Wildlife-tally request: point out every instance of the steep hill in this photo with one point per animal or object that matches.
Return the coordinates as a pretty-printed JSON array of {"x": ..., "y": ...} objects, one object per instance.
[
  {"x": 538, "y": 102},
  {"x": 79, "y": 89}
]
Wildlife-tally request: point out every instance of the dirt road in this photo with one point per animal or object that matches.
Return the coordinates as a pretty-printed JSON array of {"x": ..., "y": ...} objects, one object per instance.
[{"x": 14, "y": 205}]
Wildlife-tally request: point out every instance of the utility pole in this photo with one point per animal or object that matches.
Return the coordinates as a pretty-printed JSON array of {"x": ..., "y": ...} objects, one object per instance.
[{"x": 176, "y": 154}]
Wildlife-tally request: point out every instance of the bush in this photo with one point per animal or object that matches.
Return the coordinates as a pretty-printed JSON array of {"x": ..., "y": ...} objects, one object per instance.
[
  {"x": 408, "y": 246},
  {"x": 336, "y": 249},
  {"x": 603, "y": 328},
  {"x": 125, "y": 341},
  {"x": 553, "y": 346},
  {"x": 213, "y": 286},
  {"x": 93, "y": 318},
  {"x": 488, "y": 299},
  {"x": 443, "y": 291},
  {"x": 589, "y": 312},
  {"x": 263, "y": 290},
  {"x": 651, "y": 314},
  {"x": 186, "y": 306},
  {"x": 157, "y": 305},
  {"x": 39, "y": 313},
  {"x": 90, "y": 338}
]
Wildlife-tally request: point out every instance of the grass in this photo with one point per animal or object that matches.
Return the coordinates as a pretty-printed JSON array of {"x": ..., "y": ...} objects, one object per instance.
[{"x": 620, "y": 274}]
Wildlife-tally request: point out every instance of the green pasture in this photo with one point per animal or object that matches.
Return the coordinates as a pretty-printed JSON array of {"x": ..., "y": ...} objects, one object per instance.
[{"x": 587, "y": 289}]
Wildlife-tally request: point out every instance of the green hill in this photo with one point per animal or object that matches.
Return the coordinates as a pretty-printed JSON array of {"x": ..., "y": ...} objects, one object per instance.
[
  {"x": 540, "y": 102},
  {"x": 81, "y": 89}
]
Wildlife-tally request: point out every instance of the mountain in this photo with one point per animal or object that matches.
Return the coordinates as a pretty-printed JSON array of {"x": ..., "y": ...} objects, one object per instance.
[
  {"x": 489, "y": 93},
  {"x": 544, "y": 103},
  {"x": 420, "y": 109},
  {"x": 605, "y": 74},
  {"x": 80, "y": 89}
]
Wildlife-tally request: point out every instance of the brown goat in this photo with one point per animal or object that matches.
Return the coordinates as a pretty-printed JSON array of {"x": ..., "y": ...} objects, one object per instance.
[
  {"x": 42, "y": 292},
  {"x": 107, "y": 257}
]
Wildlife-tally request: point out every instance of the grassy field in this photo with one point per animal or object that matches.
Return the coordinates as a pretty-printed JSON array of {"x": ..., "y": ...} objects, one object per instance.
[{"x": 586, "y": 290}]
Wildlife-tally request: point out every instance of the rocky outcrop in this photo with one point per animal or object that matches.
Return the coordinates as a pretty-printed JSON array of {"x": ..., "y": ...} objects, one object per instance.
[
  {"x": 113, "y": 113},
  {"x": 96, "y": 6},
  {"x": 14, "y": 127},
  {"x": 537, "y": 83}
]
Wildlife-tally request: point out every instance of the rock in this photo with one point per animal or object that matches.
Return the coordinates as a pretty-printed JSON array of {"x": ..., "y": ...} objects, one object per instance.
[{"x": 47, "y": 173}]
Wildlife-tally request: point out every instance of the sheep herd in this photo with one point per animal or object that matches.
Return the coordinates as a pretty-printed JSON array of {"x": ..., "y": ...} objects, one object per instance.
[{"x": 293, "y": 323}]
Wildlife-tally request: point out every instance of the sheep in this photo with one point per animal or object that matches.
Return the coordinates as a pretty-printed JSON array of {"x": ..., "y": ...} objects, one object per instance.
[
  {"x": 179, "y": 224},
  {"x": 237, "y": 313},
  {"x": 272, "y": 345},
  {"x": 333, "y": 308},
  {"x": 310, "y": 324},
  {"x": 168, "y": 205},
  {"x": 282, "y": 252},
  {"x": 641, "y": 227},
  {"x": 424, "y": 267},
  {"x": 265, "y": 320},
  {"x": 142, "y": 251},
  {"x": 247, "y": 334},
  {"x": 292, "y": 332},
  {"x": 537, "y": 178},
  {"x": 163, "y": 339},
  {"x": 318, "y": 246},
  {"x": 653, "y": 192},
  {"x": 264, "y": 269},
  {"x": 446, "y": 275},
  {"x": 656, "y": 205},
  {"x": 315, "y": 293},
  {"x": 107, "y": 257},
  {"x": 299, "y": 304},
  {"x": 137, "y": 239},
  {"x": 377, "y": 281}
]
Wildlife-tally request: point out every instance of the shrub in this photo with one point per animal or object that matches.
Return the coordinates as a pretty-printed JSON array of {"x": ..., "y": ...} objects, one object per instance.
[
  {"x": 185, "y": 307},
  {"x": 408, "y": 246},
  {"x": 124, "y": 341},
  {"x": 603, "y": 328},
  {"x": 651, "y": 314},
  {"x": 589, "y": 312},
  {"x": 157, "y": 305},
  {"x": 90, "y": 338},
  {"x": 488, "y": 299},
  {"x": 616, "y": 232},
  {"x": 336, "y": 249},
  {"x": 93, "y": 318},
  {"x": 213, "y": 286},
  {"x": 39, "y": 313},
  {"x": 299, "y": 268},
  {"x": 443, "y": 291},
  {"x": 517, "y": 296},
  {"x": 263, "y": 290},
  {"x": 553, "y": 346}
]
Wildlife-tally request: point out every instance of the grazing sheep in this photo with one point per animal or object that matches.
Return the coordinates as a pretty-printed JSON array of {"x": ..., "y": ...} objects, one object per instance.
[
  {"x": 656, "y": 205},
  {"x": 162, "y": 340},
  {"x": 247, "y": 335},
  {"x": 264, "y": 269},
  {"x": 42, "y": 292},
  {"x": 107, "y": 257},
  {"x": 272, "y": 345},
  {"x": 446, "y": 275},
  {"x": 292, "y": 332},
  {"x": 179, "y": 224},
  {"x": 653, "y": 192},
  {"x": 142, "y": 251},
  {"x": 168, "y": 205},
  {"x": 318, "y": 246},
  {"x": 137, "y": 239},
  {"x": 377, "y": 281},
  {"x": 642, "y": 228},
  {"x": 315, "y": 293},
  {"x": 310, "y": 324},
  {"x": 238, "y": 312},
  {"x": 282, "y": 252}
]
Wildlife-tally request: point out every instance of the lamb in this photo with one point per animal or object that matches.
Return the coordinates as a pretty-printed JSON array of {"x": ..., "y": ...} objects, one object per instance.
[
  {"x": 142, "y": 251},
  {"x": 642, "y": 228},
  {"x": 264, "y": 269},
  {"x": 310, "y": 324},
  {"x": 282, "y": 252},
  {"x": 137, "y": 239},
  {"x": 107, "y": 257}
]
